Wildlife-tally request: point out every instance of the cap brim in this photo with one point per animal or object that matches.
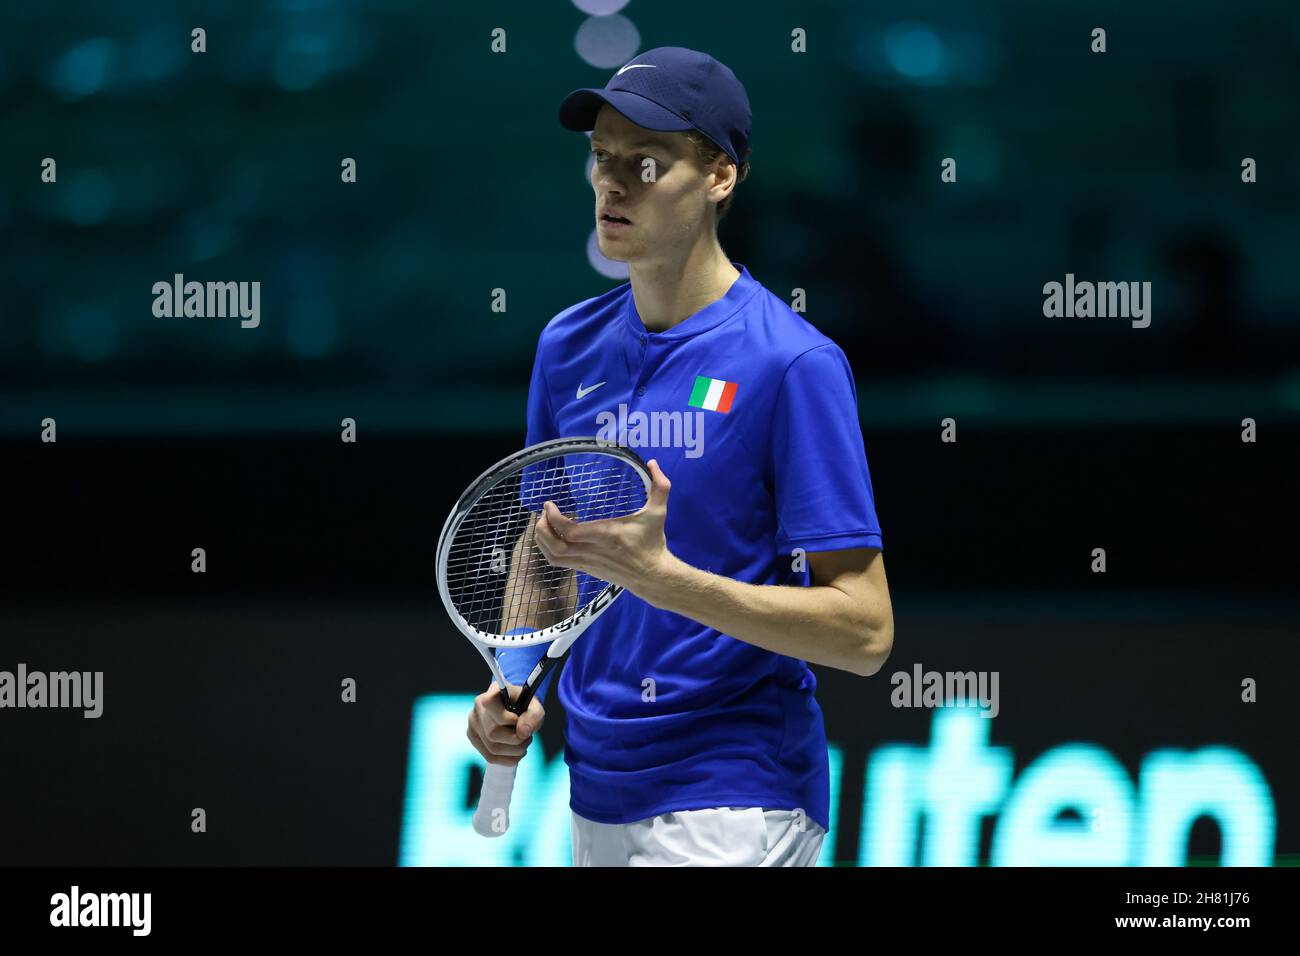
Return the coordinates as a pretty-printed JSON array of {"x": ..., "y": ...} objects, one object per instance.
[{"x": 579, "y": 110}]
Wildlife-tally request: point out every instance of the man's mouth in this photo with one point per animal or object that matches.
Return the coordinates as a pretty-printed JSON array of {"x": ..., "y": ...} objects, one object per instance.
[{"x": 606, "y": 217}]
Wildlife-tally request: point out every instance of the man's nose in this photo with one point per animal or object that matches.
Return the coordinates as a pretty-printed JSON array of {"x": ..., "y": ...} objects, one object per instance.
[{"x": 613, "y": 178}]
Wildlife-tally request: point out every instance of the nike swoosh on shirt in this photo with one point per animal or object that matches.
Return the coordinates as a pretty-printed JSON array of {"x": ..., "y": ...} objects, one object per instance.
[
  {"x": 633, "y": 66},
  {"x": 584, "y": 392}
]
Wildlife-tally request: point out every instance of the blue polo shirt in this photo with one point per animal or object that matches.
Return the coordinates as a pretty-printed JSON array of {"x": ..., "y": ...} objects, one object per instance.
[{"x": 753, "y": 416}]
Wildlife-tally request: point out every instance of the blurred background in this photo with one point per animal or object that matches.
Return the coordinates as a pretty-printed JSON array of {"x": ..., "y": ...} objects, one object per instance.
[{"x": 1121, "y": 692}]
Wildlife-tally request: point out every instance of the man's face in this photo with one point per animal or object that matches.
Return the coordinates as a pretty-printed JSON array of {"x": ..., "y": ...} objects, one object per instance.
[{"x": 668, "y": 211}]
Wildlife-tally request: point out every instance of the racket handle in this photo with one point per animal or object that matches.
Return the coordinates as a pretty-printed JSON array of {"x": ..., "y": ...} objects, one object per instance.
[
  {"x": 498, "y": 785},
  {"x": 499, "y": 780}
]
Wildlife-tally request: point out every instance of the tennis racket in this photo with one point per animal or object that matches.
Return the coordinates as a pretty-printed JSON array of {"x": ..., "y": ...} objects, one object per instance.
[{"x": 498, "y": 587}]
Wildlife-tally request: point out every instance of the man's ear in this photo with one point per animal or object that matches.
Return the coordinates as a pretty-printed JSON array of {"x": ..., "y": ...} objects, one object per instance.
[{"x": 720, "y": 174}]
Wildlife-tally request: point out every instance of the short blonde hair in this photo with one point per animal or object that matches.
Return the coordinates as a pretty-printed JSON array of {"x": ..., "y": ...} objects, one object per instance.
[{"x": 706, "y": 151}]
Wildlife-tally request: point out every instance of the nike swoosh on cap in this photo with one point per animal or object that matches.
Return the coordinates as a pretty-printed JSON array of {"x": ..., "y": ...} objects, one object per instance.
[
  {"x": 633, "y": 66},
  {"x": 584, "y": 392}
]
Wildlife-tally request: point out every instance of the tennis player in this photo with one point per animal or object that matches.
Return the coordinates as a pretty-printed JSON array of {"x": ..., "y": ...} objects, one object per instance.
[{"x": 693, "y": 736}]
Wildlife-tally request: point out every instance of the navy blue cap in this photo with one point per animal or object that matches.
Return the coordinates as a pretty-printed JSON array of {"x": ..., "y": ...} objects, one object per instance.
[{"x": 670, "y": 89}]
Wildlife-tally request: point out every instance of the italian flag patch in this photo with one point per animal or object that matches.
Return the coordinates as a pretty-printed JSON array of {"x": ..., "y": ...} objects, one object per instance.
[{"x": 713, "y": 394}]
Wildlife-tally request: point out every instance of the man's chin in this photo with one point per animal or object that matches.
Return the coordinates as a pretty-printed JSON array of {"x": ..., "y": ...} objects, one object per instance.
[{"x": 617, "y": 251}]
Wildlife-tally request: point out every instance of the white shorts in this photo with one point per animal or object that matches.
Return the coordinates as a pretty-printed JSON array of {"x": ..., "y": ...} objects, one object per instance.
[{"x": 720, "y": 836}]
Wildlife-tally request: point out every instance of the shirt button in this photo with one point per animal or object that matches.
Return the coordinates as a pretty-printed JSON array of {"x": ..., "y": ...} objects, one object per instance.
[{"x": 641, "y": 390}]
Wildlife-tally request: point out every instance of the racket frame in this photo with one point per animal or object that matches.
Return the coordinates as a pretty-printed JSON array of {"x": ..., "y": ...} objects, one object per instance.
[{"x": 562, "y": 634}]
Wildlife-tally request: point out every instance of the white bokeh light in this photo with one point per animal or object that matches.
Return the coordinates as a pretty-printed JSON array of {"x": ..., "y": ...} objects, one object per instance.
[
  {"x": 609, "y": 268},
  {"x": 600, "y": 8},
  {"x": 607, "y": 42}
]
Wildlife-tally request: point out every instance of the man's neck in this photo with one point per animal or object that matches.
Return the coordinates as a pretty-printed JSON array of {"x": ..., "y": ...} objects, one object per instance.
[{"x": 667, "y": 293}]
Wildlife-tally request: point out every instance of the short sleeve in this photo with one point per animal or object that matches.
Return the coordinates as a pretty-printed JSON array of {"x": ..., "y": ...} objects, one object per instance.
[
  {"x": 541, "y": 420},
  {"x": 821, "y": 484},
  {"x": 539, "y": 482}
]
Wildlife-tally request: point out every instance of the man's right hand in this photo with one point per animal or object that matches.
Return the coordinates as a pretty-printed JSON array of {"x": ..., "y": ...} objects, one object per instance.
[{"x": 499, "y": 735}]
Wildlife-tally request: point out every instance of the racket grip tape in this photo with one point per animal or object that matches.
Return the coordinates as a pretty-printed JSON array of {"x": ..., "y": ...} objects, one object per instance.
[{"x": 492, "y": 818}]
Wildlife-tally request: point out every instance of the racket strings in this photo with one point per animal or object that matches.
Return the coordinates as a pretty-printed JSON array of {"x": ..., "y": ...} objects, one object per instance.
[{"x": 497, "y": 577}]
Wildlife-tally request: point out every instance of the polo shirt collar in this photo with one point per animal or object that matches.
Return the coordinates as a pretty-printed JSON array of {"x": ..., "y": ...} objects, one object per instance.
[{"x": 712, "y": 315}]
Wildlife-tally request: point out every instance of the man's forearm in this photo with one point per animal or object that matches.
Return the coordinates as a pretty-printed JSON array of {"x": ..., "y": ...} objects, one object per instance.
[
  {"x": 819, "y": 624},
  {"x": 533, "y": 597}
]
